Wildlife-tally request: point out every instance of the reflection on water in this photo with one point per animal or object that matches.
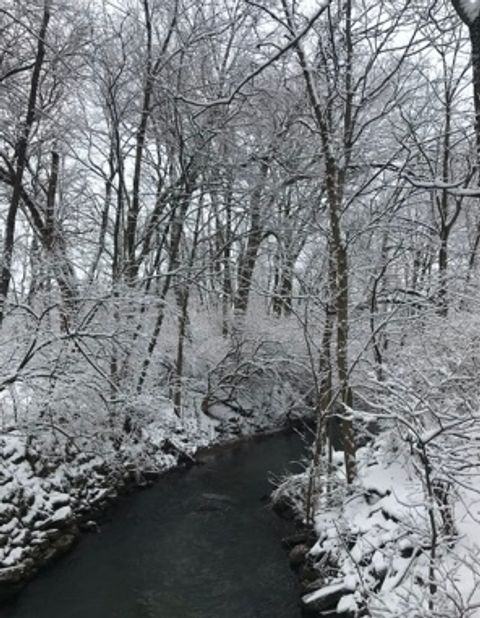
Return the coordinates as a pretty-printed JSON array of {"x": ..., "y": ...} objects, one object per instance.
[{"x": 200, "y": 544}]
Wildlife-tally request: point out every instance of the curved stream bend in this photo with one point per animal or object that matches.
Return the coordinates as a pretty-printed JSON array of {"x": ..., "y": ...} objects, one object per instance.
[{"x": 199, "y": 544}]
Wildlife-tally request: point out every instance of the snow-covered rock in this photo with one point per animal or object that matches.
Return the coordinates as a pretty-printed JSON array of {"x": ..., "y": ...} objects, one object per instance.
[
  {"x": 373, "y": 547},
  {"x": 327, "y": 598}
]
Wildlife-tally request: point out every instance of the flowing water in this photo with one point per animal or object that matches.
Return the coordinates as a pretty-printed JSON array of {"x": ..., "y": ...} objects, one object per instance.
[{"x": 200, "y": 543}]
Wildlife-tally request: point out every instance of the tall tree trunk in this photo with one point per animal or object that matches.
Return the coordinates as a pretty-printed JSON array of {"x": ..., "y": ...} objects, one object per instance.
[
  {"x": 183, "y": 296},
  {"x": 443, "y": 209},
  {"x": 151, "y": 71},
  {"x": 475, "y": 42},
  {"x": 443, "y": 272},
  {"x": 254, "y": 240},
  {"x": 227, "y": 288},
  {"x": 473, "y": 23},
  {"x": 55, "y": 247},
  {"x": 134, "y": 208},
  {"x": 21, "y": 149}
]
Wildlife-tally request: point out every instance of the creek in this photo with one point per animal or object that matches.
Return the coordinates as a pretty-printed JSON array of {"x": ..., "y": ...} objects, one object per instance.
[{"x": 200, "y": 543}]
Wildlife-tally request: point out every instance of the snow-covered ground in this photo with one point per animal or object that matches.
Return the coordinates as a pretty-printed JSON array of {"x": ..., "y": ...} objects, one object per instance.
[{"x": 377, "y": 552}]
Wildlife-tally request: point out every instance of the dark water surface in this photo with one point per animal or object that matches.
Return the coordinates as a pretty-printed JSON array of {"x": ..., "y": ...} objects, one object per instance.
[{"x": 199, "y": 544}]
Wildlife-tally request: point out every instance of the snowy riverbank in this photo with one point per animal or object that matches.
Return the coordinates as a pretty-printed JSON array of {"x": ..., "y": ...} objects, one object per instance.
[
  {"x": 380, "y": 548},
  {"x": 49, "y": 492}
]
